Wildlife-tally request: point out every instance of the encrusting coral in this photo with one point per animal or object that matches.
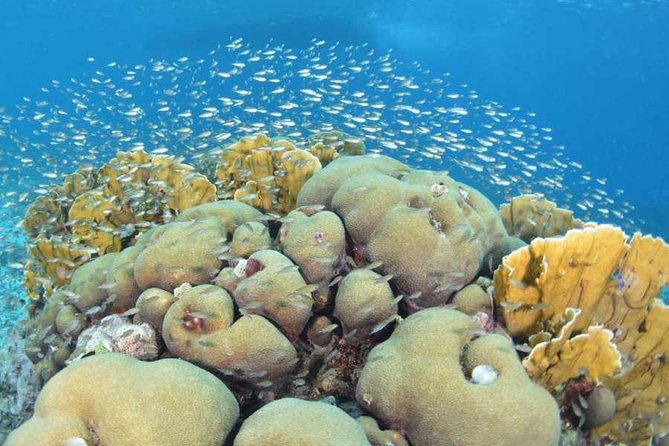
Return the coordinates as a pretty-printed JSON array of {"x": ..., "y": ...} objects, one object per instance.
[{"x": 587, "y": 304}]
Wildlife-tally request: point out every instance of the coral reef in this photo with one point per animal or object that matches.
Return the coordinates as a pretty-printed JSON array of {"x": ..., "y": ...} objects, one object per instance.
[
  {"x": 186, "y": 250},
  {"x": 99, "y": 212},
  {"x": 317, "y": 295},
  {"x": 431, "y": 234},
  {"x": 268, "y": 174},
  {"x": 300, "y": 423},
  {"x": 199, "y": 327},
  {"x": 115, "y": 333}
]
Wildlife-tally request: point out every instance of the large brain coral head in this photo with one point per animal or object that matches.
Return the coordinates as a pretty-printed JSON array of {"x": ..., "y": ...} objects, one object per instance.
[{"x": 429, "y": 232}]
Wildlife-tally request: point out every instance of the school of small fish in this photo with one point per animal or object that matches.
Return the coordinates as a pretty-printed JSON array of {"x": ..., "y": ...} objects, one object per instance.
[{"x": 191, "y": 107}]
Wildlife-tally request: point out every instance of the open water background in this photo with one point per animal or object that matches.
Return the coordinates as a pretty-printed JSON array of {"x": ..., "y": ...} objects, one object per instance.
[{"x": 596, "y": 72}]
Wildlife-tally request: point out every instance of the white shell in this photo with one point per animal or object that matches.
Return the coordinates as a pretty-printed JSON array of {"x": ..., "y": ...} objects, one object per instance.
[
  {"x": 484, "y": 374},
  {"x": 75, "y": 441}
]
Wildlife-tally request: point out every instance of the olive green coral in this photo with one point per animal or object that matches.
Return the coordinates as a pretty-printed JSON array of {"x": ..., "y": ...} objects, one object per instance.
[
  {"x": 364, "y": 303},
  {"x": 200, "y": 327},
  {"x": 273, "y": 287},
  {"x": 116, "y": 400},
  {"x": 429, "y": 232},
  {"x": 300, "y": 423},
  {"x": 433, "y": 376},
  {"x": 180, "y": 252},
  {"x": 316, "y": 241}
]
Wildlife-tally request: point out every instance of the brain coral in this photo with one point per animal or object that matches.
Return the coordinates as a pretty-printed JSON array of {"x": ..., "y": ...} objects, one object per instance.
[
  {"x": 199, "y": 327},
  {"x": 431, "y": 234},
  {"x": 189, "y": 250},
  {"x": 116, "y": 400},
  {"x": 421, "y": 382}
]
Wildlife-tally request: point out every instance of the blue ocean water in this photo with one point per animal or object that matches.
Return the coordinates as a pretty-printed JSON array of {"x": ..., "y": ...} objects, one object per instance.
[{"x": 594, "y": 72}]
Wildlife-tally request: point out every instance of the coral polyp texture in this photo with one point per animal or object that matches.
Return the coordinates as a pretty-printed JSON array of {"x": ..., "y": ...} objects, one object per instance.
[
  {"x": 167, "y": 402},
  {"x": 429, "y": 232},
  {"x": 306, "y": 293},
  {"x": 421, "y": 381}
]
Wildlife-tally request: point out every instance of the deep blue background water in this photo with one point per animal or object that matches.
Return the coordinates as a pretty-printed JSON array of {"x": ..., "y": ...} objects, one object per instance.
[{"x": 597, "y": 73}]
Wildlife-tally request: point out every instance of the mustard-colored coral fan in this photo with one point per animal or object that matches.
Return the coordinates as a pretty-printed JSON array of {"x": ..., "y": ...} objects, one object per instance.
[
  {"x": 611, "y": 284},
  {"x": 98, "y": 212},
  {"x": 269, "y": 173},
  {"x": 532, "y": 215}
]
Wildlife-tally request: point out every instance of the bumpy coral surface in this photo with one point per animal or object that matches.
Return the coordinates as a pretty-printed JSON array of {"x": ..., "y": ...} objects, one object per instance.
[
  {"x": 119, "y": 401},
  {"x": 429, "y": 232},
  {"x": 199, "y": 327},
  {"x": 188, "y": 250},
  {"x": 268, "y": 174},
  {"x": 532, "y": 215},
  {"x": 98, "y": 212}
]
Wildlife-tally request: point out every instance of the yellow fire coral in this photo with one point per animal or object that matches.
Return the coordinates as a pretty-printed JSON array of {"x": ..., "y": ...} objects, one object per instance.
[
  {"x": 614, "y": 284},
  {"x": 264, "y": 173},
  {"x": 94, "y": 213},
  {"x": 532, "y": 215},
  {"x": 94, "y": 217},
  {"x": 328, "y": 146},
  {"x": 53, "y": 260},
  {"x": 555, "y": 361},
  {"x": 46, "y": 214},
  {"x": 268, "y": 174}
]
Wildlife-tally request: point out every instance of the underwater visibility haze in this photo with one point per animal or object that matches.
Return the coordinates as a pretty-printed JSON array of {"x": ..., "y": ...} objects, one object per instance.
[{"x": 402, "y": 222}]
